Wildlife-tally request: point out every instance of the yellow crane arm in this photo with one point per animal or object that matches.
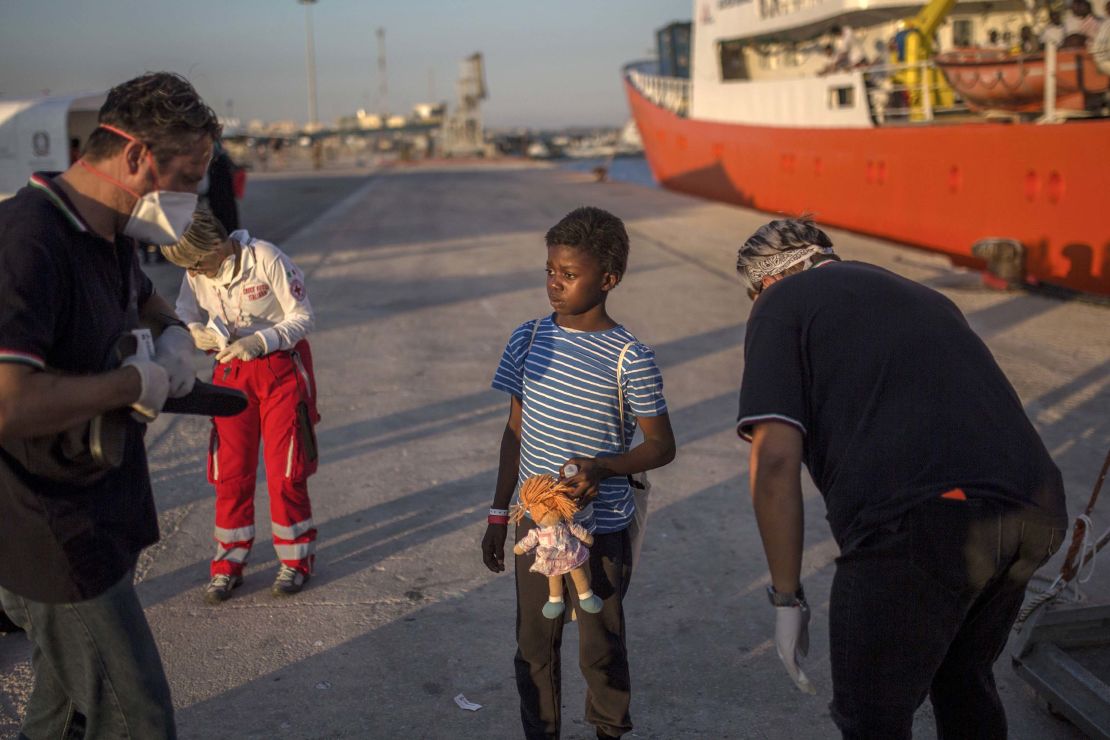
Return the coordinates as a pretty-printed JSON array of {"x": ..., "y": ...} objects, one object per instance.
[
  {"x": 928, "y": 20},
  {"x": 925, "y": 85}
]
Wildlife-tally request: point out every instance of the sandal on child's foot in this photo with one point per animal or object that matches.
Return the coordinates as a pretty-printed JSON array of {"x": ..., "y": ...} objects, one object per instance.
[
  {"x": 553, "y": 609},
  {"x": 592, "y": 604}
]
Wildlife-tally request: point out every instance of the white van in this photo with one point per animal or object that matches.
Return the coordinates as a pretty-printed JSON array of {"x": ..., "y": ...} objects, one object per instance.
[{"x": 43, "y": 134}]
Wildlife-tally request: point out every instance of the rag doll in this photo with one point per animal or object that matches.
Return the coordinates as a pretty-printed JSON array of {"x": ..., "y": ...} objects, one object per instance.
[{"x": 561, "y": 545}]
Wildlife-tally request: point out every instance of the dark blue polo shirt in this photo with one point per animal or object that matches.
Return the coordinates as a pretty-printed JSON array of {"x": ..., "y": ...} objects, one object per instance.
[
  {"x": 897, "y": 398},
  {"x": 64, "y": 294}
]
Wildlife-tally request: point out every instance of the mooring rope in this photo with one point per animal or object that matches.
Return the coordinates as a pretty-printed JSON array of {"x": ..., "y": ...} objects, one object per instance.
[{"x": 1081, "y": 551}]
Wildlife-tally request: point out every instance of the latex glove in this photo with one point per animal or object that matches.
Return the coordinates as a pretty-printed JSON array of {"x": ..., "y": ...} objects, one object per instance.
[
  {"x": 154, "y": 388},
  {"x": 204, "y": 338},
  {"x": 246, "y": 348},
  {"x": 173, "y": 350},
  {"x": 792, "y": 642}
]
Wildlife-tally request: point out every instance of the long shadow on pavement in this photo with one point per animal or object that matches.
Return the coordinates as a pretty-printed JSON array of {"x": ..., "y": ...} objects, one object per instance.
[{"x": 398, "y": 680}]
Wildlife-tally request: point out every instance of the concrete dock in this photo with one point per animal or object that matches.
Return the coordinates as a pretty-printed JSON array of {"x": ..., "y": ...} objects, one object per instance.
[{"x": 418, "y": 276}]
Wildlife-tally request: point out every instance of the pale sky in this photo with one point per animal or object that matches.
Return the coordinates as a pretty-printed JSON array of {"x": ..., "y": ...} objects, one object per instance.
[{"x": 549, "y": 63}]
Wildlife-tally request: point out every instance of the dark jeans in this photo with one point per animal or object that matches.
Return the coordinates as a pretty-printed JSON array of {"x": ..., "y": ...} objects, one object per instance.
[
  {"x": 924, "y": 608},
  {"x": 97, "y": 669},
  {"x": 601, "y": 650}
]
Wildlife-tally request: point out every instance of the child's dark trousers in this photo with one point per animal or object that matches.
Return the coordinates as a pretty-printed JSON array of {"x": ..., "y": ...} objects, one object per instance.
[{"x": 601, "y": 654}]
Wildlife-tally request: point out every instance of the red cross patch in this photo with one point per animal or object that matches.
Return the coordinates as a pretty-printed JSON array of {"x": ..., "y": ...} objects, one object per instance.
[{"x": 297, "y": 289}]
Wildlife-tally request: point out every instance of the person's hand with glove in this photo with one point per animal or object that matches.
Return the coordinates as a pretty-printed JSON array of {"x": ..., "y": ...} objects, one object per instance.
[
  {"x": 244, "y": 349},
  {"x": 154, "y": 388},
  {"x": 173, "y": 350},
  {"x": 792, "y": 635},
  {"x": 204, "y": 338},
  {"x": 776, "y": 487}
]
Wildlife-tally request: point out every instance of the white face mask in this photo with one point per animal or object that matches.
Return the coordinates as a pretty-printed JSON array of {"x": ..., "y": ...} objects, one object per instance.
[{"x": 161, "y": 217}]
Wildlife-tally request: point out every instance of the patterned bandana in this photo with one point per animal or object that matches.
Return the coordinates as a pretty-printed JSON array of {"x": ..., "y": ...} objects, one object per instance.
[{"x": 772, "y": 264}]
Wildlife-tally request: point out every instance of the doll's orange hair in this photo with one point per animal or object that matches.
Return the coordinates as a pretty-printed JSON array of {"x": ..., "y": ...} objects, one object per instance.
[{"x": 542, "y": 494}]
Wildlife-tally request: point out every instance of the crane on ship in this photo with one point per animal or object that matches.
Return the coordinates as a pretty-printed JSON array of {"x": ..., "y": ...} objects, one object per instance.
[{"x": 914, "y": 48}]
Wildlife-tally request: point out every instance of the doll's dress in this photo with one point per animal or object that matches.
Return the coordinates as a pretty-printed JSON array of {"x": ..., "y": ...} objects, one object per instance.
[{"x": 559, "y": 549}]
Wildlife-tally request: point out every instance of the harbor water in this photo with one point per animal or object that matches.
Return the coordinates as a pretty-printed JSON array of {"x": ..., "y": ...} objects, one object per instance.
[{"x": 633, "y": 170}]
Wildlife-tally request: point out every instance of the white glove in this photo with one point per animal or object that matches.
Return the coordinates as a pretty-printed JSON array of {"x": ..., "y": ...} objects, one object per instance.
[
  {"x": 244, "y": 349},
  {"x": 154, "y": 388},
  {"x": 792, "y": 642},
  {"x": 204, "y": 338},
  {"x": 173, "y": 350}
]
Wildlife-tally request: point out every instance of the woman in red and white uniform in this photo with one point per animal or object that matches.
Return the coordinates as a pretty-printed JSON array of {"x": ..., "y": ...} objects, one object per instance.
[{"x": 245, "y": 300}]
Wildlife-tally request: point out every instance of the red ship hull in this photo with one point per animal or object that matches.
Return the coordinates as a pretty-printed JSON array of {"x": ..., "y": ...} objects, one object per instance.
[{"x": 939, "y": 187}]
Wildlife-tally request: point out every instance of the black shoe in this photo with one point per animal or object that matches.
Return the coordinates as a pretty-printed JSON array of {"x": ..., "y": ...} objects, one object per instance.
[
  {"x": 289, "y": 581},
  {"x": 220, "y": 587}
]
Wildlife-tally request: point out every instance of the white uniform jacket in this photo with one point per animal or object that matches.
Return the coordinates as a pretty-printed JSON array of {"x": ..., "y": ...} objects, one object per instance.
[{"x": 266, "y": 296}]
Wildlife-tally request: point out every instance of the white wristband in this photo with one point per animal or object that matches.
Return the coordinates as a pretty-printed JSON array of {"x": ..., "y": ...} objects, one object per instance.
[{"x": 498, "y": 512}]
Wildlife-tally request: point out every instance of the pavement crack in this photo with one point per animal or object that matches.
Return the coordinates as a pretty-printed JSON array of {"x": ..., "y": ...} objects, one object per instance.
[{"x": 167, "y": 528}]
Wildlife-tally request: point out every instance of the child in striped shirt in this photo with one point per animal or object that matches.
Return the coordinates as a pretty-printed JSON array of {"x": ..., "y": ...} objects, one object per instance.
[{"x": 561, "y": 374}]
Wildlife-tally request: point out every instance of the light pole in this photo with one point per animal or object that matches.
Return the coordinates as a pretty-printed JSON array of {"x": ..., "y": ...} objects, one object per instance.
[
  {"x": 310, "y": 60},
  {"x": 310, "y": 65}
]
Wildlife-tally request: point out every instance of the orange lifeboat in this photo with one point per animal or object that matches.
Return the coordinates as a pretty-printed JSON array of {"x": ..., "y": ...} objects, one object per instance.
[{"x": 995, "y": 79}]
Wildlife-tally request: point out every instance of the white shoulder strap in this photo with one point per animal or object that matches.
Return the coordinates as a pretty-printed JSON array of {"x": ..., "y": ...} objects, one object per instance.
[
  {"x": 535, "y": 328},
  {"x": 531, "y": 341},
  {"x": 620, "y": 390}
]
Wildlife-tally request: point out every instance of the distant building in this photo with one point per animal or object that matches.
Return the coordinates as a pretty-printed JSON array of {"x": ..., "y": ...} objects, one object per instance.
[
  {"x": 367, "y": 120},
  {"x": 429, "y": 112},
  {"x": 673, "y": 48},
  {"x": 461, "y": 134}
]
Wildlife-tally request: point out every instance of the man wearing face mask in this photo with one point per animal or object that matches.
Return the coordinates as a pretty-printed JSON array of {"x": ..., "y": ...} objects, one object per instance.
[{"x": 70, "y": 286}]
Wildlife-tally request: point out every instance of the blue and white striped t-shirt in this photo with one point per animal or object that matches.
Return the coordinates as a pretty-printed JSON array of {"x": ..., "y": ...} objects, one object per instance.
[{"x": 567, "y": 382}]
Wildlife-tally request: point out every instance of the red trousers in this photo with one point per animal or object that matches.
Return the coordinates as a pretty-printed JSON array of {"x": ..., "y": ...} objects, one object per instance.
[{"x": 281, "y": 412}]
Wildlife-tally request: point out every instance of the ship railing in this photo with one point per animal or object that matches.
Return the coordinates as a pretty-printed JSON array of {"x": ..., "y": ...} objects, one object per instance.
[
  {"x": 909, "y": 93},
  {"x": 671, "y": 93}
]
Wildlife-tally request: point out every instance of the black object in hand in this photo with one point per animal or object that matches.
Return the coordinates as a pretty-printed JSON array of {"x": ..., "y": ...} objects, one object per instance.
[{"x": 207, "y": 400}]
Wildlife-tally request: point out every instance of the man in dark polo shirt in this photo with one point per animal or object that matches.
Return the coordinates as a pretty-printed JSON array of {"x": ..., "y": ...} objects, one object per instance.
[
  {"x": 70, "y": 285},
  {"x": 939, "y": 491}
]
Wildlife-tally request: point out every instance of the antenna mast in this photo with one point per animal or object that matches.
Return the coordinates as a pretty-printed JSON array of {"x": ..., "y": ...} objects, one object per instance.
[{"x": 383, "y": 79}]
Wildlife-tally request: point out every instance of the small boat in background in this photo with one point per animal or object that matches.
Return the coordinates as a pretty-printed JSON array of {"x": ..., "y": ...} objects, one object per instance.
[{"x": 994, "y": 79}]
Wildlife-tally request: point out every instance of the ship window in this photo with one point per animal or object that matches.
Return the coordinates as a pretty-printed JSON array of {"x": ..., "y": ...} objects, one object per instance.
[
  {"x": 733, "y": 64},
  {"x": 842, "y": 97},
  {"x": 961, "y": 33}
]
